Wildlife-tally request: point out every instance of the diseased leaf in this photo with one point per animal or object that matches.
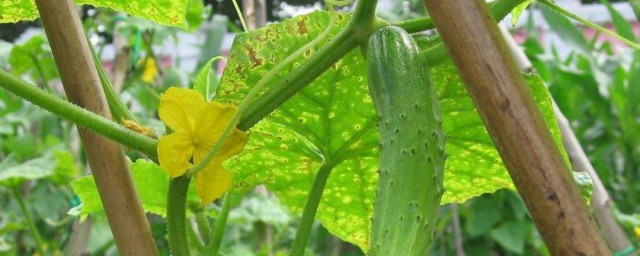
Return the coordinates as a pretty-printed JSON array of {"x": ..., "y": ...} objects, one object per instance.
[
  {"x": 333, "y": 120},
  {"x": 167, "y": 12}
]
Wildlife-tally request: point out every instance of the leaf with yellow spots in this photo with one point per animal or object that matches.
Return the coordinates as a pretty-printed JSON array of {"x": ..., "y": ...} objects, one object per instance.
[
  {"x": 166, "y": 12},
  {"x": 333, "y": 119}
]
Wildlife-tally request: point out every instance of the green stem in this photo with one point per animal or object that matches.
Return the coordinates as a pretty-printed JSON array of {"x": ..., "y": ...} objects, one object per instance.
[
  {"x": 363, "y": 20},
  {"x": 119, "y": 111},
  {"x": 587, "y": 23},
  {"x": 27, "y": 217},
  {"x": 196, "y": 241},
  {"x": 78, "y": 115},
  {"x": 310, "y": 209},
  {"x": 43, "y": 76},
  {"x": 203, "y": 226},
  {"x": 499, "y": 9},
  {"x": 176, "y": 216},
  {"x": 221, "y": 225}
]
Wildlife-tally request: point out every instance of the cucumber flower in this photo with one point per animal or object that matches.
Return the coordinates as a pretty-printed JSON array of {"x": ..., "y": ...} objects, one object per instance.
[{"x": 196, "y": 127}]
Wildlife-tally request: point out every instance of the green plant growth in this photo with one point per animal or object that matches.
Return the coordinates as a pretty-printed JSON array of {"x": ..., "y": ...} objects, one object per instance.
[{"x": 304, "y": 110}]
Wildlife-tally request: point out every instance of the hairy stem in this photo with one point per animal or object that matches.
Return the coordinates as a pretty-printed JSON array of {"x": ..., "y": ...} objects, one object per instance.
[
  {"x": 176, "y": 215},
  {"x": 78, "y": 115}
]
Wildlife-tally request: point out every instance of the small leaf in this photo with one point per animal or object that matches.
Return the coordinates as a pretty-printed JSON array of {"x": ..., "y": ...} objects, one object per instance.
[
  {"x": 152, "y": 184},
  {"x": 511, "y": 236},
  {"x": 203, "y": 83},
  {"x": 13, "y": 173},
  {"x": 65, "y": 169},
  {"x": 517, "y": 11}
]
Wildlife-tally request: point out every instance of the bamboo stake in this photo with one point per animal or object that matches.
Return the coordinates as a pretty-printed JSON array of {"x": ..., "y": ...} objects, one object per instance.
[
  {"x": 516, "y": 126},
  {"x": 106, "y": 158},
  {"x": 601, "y": 202}
]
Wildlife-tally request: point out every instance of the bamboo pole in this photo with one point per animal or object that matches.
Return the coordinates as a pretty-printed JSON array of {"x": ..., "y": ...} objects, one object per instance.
[
  {"x": 516, "y": 126},
  {"x": 601, "y": 202},
  {"x": 106, "y": 158}
]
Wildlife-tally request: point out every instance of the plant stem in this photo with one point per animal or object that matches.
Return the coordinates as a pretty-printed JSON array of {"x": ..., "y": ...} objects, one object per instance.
[
  {"x": 362, "y": 20},
  {"x": 221, "y": 225},
  {"x": 176, "y": 215},
  {"x": 203, "y": 226},
  {"x": 310, "y": 209},
  {"x": 27, "y": 217},
  {"x": 551, "y": 5},
  {"x": 79, "y": 115}
]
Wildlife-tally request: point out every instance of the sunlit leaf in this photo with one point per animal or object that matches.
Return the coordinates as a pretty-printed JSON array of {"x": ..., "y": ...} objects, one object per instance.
[
  {"x": 152, "y": 184},
  {"x": 333, "y": 120},
  {"x": 167, "y": 12},
  {"x": 516, "y": 12}
]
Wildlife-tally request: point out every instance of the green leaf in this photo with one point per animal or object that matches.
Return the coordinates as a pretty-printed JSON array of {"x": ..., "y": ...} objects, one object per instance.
[
  {"x": 516, "y": 12},
  {"x": 485, "y": 212},
  {"x": 34, "y": 57},
  {"x": 511, "y": 236},
  {"x": 152, "y": 184},
  {"x": 194, "y": 17},
  {"x": 13, "y": 173},
  {"x": 167, "y": 12},
  {"x": 333, "y": 119},
  {"x": 206, "y": 81},
  {"x": 65, "y": 168}
]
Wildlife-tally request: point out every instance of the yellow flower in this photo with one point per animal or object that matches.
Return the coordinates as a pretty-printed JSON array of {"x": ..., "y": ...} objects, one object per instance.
[
  {"x": 637, "y": 231},
  {"x": 196, "y": 127},
  {"x": 150, "y": 70}
]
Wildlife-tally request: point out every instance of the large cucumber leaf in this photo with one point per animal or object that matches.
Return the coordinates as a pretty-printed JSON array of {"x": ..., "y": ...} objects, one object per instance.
[
  {"x": 333, "y": 118},
  {"x": 167, "y": 12}
]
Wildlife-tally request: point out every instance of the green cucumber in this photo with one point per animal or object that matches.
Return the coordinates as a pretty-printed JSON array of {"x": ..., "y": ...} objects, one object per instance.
[{"x": 412, "y": 141}]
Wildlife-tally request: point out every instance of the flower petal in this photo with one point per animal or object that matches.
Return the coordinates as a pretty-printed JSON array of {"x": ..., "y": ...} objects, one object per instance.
[
  {"x": 174, "y": 152},
  {"x": 212, "y": 182},
  {"x": 211, "y": 122},
  {"x": 233, "y": 145},
  {"x": 179, "y": 108}
]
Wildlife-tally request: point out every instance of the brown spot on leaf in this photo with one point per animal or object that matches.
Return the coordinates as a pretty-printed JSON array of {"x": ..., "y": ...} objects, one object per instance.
[
  {"x": 302, "y": 27},
  {"x": 239, "y": 68},
  {"x": 255, "y": 61}
]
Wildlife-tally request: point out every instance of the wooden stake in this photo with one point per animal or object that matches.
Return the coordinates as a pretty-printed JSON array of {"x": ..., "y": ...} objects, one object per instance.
[
  {"x": 106, "y": 158},
  {"x": 523, "y": 140}
]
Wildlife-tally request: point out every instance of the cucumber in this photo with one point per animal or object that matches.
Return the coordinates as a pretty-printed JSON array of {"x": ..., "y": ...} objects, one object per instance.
[{"x": 412, "y": 141}]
